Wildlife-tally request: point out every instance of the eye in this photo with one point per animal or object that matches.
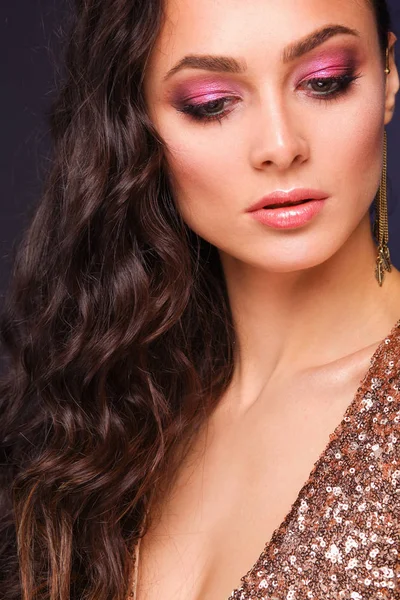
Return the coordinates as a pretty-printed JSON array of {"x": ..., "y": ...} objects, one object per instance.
[
  {"x": 214, "y": 107},
  {"x": 208, "y": 111},
  {"x": 324, "y": 85},
  {"x": 330, "y": 86}
]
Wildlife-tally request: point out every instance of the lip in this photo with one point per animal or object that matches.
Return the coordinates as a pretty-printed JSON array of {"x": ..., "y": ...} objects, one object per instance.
[
  {"x": 291, "y": 196},
  {"x": 280, "y": 211}
]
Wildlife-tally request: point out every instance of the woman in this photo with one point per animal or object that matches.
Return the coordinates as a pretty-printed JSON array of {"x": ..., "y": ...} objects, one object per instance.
[{"x": 203, "y": 332}]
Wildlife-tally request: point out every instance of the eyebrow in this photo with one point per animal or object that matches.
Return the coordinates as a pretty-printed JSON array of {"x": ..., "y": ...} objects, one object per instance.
[{"x": 228, "y": 64}]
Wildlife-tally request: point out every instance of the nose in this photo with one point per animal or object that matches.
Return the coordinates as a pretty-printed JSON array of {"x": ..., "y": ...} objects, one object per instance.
[{"x": 278, "y": 138}]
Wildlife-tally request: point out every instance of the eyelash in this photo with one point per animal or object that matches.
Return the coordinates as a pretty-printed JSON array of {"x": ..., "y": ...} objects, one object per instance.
[{"x": 194, "y": 111}]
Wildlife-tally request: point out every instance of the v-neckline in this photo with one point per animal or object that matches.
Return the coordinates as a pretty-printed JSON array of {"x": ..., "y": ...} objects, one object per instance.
[{"x": 337, "y": 432}]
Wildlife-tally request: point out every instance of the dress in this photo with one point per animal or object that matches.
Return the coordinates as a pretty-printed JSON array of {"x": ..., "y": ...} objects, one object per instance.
[{"x": 341, "y": 537}]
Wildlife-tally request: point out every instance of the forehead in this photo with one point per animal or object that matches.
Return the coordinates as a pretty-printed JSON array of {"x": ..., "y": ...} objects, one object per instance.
[{"x": 251, "y": 28}]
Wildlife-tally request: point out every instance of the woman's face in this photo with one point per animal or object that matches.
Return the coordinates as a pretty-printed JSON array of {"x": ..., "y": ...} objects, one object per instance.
[{"x": 294, "y": 110}]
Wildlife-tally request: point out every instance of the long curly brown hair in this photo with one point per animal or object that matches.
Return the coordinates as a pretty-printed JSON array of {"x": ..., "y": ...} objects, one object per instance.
[{"x": 117, "y": 336}]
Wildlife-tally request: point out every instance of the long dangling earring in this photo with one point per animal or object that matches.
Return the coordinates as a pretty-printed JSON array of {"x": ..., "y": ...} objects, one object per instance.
[
  {"x": 381, "y": 227},
  {"x": 387, "y": 70}
]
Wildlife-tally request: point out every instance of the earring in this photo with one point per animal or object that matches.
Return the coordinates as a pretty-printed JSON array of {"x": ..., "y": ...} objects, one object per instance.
[
  {"x": 381, "y": 227},
  {"x": 387, "y": 70}
]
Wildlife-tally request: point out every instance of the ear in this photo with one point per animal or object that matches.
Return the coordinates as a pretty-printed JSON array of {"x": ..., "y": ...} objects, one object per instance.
[{"x": 392, "y": 81}]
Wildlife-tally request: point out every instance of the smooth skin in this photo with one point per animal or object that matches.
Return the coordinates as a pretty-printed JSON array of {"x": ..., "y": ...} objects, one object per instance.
[{"x": 307, "y": 308}]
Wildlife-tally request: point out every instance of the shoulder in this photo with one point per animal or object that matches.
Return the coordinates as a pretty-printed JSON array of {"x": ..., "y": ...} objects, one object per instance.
[{"x": 381, "y": 399}]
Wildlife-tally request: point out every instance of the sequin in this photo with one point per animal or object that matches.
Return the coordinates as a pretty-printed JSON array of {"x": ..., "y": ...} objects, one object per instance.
[{"x": 341, "y": 537}]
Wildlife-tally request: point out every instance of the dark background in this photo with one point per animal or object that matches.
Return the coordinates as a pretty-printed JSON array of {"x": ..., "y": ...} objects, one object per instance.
[{"x": 30, "y": 34}]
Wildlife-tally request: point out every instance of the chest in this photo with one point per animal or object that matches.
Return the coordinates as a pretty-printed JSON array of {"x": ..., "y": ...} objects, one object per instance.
[{"x": 235, "y": 489}]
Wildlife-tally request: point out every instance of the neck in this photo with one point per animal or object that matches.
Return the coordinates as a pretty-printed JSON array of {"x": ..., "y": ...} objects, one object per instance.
[{"x": 287, "y": 322}]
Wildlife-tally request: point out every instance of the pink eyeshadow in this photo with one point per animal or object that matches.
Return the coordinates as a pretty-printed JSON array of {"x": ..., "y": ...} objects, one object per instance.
[
  {"x": 203, "y": 90},
  {"x": 328, "y": 63}
]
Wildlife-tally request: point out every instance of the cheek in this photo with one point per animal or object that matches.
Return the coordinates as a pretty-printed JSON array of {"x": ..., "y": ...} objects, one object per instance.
[
  {"x": 364, "y": 163},
  {"x": 362, "y": 144},
  {"x": 348, "y": 148},
  {"x": 202, "y": 175}
]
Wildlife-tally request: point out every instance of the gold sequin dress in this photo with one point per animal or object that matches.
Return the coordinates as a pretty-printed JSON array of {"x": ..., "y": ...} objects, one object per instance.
[{"x": 341, "y": 537}]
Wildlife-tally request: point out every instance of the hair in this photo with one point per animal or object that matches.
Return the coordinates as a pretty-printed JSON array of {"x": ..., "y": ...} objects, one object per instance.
[{"x": 117, "y": 334}]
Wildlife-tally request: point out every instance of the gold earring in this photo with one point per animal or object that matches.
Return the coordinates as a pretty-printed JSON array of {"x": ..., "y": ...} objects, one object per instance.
[
  {"x": 381, "y": 227},
  {"x": 387, "y": 70}
]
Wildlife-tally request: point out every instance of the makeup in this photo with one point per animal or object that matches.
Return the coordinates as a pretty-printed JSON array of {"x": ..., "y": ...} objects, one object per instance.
[
  {"x": 289, "y": 217},
  {"x": 324, "y": 76},
  {"x": 288, "y": 210},
  {"x": 204, "y": 89},
  {"x": 329, "y": 62}
]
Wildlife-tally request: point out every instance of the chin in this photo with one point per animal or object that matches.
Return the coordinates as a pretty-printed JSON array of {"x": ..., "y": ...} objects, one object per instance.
[{"x": 290, "y": 258}]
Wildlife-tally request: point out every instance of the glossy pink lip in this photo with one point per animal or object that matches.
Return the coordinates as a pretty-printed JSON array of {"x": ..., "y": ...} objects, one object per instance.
[
  {"x": 289, "y": 197},
  {"x": 283, "y": 210}
]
